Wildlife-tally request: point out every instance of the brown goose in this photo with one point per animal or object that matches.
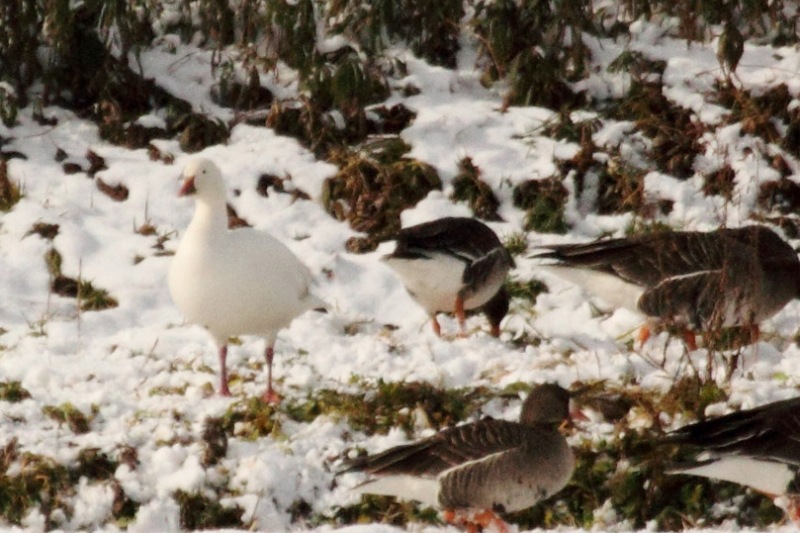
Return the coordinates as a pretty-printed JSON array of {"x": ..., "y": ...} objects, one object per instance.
[
  {"x": 488, "y": 466},
  {"x": 759, "y": 448},
  {"x": 451, "y": 265},
  {"x": 699, "y": 280}
]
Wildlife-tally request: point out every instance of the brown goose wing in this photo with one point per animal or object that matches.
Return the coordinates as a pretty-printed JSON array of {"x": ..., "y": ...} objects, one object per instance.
[
  {"x": 770, "y": 432},
  {"x": 495, "y": 263},
  {"x": 465, "y": 238},
  {"x": 767, "y": 244},
  {"x": 647, "y": 260},
  {"x": 513, "y": 480},
  {"x": 445, "y": 450},
  {"x": 699, "y": 300}
]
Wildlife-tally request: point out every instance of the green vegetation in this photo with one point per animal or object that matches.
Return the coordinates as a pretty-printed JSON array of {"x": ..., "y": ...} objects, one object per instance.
[
  {"x": 39, "y": 481},
  {"x": 89, "y": 297},
  {"x": 527, "y": 290},
  {"x": 468, "y": 187},
  {"x": 70, "y": 415},
  {"x": 201, "y": 512},
  {"x": 543, "y": 201},
  {"x": 375, "y": 183},
  {"x": 516, "y": 243},
  {"x": 248, "y": 419},
  {"x": 13, "y": 391},
  {"x": 387, "y": 510},
  {"x": 10, "y": 192},
  {"x": 381, "y": 406}
]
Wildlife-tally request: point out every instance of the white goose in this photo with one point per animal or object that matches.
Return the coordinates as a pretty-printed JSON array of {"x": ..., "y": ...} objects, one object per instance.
[{"x": 242, "y": 282}]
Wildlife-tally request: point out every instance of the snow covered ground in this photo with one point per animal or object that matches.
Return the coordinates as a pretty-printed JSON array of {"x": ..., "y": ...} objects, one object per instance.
[{"x": 145, "y": 378}]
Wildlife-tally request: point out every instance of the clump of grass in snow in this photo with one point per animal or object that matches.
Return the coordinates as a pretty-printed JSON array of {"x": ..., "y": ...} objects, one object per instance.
[
  {"x": 198, "y": 511},
  {"x": 676, "y": 135},
  {"x": 428, "y": 26},
  {"x": 543, "y": 201},
  {"x": 66, "y": 413},
  {"x": 527, "y": 44},
  {"x": 516, "y": 243},
  {"x": 383, "y": 509},
  {"x": 527, "y": 290},
  {"x": 90, "y": 298},
  {"x": 177, "y": 390},
  {"x": 375, "y": 183},
  {"x": 10, "y": 192},
  {"x": 620, "y": 188},
  {"x": 44, "y": 230},
  {"x": 13, "y": 391},
  {"x": 9, "y": 105},
  {"x": 250, "y": 419},
  {"x": 385, "y": 405},
  {"x": 720, "y": 182},
  {"x": 468, "y": 187},
  {"x": 95, "y": 464},
  {"x": 215, "y": 441},
  {"x": 41, "y": 482}
]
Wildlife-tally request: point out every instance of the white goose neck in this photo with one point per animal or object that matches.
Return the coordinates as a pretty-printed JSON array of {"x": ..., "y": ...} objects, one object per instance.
[{"x": 210, "y": 218}]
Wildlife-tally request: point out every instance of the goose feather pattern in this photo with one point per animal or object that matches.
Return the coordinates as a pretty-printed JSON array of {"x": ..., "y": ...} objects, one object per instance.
[
  {"x": 488, "y": 464},
  {"x": 453, "y": 264},
  {"x": 702, "y": 280}
]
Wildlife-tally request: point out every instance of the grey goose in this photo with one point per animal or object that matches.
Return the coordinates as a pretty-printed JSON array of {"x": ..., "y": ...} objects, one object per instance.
[
  {"x": 453, "y": 264},
  {"x": 481, "y": 467},
  {"x": 758, "y": 448},
  {"x": 702, "y": 281}
]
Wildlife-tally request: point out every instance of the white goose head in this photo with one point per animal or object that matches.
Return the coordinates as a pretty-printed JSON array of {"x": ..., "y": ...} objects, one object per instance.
[{"x": 203, "y": 180}]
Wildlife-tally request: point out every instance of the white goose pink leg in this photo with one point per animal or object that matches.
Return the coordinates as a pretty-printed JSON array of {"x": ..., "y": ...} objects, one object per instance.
[
  {"x": 223, "y": 371},
  {"x": 270, "y": 396}
]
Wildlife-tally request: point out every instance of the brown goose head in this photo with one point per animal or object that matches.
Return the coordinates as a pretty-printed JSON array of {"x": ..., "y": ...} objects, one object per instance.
[{"x": 546, "y": 404}]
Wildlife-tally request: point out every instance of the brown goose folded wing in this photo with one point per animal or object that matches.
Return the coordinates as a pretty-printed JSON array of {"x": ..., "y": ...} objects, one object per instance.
[
  {"x": 489, "y": 464},
  {"x": 770, "y": 432},
  {"x": 447, "y": 449},
  {"x": 758, "y": 448},
  {"x": 464, "y": 237},
  {"x": 704, "y": 279}
]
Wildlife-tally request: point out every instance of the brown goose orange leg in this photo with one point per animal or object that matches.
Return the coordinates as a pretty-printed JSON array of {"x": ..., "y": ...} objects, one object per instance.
[
  {"x": 460, "y": 314},
  {"x": 435, "y": 325},
  {"x": 475, "y": 521},
  {"x": 644, "y": 334},
  {"x": 690, "y": 339},
  {"x": 793, "y": 508}
]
